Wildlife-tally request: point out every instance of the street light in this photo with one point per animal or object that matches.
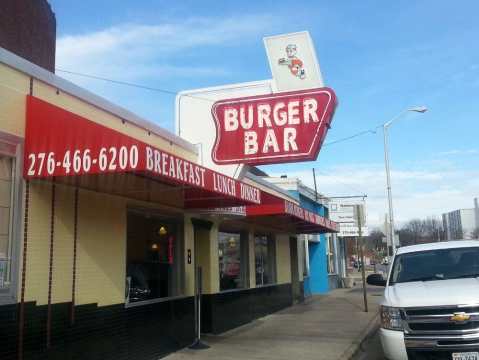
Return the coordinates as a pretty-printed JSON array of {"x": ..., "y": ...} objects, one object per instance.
[{"x": 418, "y": 109}]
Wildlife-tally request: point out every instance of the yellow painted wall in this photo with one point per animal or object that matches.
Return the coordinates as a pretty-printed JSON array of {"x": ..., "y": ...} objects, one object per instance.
[
  {"x": 38, "y": 250},
  {"x": 207, "y": 257},
  {"x": 13, "y": 87},
  {"x": 101, "y": 256},
  {"x": 283, "y": 260},
  {"x": 63, "y": 244}
]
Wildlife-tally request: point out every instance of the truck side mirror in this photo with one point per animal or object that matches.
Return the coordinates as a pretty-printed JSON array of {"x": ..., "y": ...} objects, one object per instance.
[{"x": 376, "y": 280}]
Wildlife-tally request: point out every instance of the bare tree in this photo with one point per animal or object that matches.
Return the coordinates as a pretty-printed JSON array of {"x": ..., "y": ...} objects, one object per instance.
[{"x": 418, "y": 231}]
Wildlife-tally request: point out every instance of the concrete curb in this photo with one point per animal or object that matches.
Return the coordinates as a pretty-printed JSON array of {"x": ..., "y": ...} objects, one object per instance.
[{"x": 368, "y": 331}]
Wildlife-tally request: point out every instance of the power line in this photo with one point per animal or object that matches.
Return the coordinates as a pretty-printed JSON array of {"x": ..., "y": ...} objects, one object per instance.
[
  {"x": 356, "y": 190},
  {"x": 126, "y": 83},
  {"x": 364, "y": 132},
  {"x": 172, "y": 92}
]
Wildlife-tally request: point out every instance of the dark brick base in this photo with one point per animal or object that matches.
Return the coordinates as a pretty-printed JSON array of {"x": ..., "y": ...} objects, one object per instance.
[
  {"x": 224, "y": 311},
  {"x": 107, "y": 332}
]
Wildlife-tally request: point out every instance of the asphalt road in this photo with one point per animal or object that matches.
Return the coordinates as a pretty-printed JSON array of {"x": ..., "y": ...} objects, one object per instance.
[{"x": 370, "y": 349}]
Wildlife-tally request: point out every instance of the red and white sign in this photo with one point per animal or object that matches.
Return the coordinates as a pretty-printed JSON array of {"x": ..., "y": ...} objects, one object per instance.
[
  {"x": 309, "y": 223},
  {"x": 273, "y": 128},
  {"x": 59, "y": 143}
]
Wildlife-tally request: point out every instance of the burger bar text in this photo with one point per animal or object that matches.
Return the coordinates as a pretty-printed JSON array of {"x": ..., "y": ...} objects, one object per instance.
[{"x": 272, "y": 128}]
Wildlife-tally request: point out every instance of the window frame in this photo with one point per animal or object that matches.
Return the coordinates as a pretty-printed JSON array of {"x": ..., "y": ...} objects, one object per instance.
[
  {"x": 244, "y": 258},
  {"x": 270, "y": 246},
  {"x": 179, "y": 283},
  {"x": 12, "y": 146}
]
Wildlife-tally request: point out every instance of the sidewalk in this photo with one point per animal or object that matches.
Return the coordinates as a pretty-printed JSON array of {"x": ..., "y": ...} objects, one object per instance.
[{"x": 324, "y": 327}]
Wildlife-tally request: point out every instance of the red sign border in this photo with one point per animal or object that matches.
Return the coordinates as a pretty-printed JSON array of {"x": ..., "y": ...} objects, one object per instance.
[{"x": 272, "y": 159}]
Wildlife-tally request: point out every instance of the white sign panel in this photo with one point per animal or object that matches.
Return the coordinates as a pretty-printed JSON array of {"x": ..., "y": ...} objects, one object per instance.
[
  {"x": 293, "y": 62},
  {"x": 195, "y": 123},
  {"x": 344, "y": 212}
]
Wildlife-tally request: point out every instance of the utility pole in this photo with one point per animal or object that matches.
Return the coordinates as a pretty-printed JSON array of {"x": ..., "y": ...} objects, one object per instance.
[
  {"x": 315, "y": 187},
  {"x": 361, "y": 248}
]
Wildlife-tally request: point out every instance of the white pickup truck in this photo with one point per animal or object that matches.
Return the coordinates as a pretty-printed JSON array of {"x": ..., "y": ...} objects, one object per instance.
[{"x": 430, "y": 308}]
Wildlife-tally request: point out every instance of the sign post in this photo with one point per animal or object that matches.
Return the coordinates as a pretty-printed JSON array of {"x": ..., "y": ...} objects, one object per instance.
[
  {"x": 198, "y": 344},
  {"x": 361, "y": 251}
]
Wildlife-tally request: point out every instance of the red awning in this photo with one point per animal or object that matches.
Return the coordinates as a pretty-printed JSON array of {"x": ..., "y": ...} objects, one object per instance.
[
  {"x": 71, "y": 149},
  {"x": 294, "y": 217}
]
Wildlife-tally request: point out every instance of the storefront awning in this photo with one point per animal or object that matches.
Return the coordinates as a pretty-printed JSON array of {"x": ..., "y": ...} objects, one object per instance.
[
  {"x": 68, "y": 148},
  {"x": 293, "y": 217}
]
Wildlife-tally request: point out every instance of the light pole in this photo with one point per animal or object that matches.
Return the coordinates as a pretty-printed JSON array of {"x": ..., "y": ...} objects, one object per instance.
[{"x": 418, "y": 109}]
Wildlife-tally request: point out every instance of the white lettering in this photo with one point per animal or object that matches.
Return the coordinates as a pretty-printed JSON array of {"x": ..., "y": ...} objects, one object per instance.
[
  {"x": 192, "y": 174},
  {"x": 246, "y": 121},
  {"x": 264, "y": 113},
  {"x": 290, "y": 139},
  {"x": 157, "y": 161},
  {"x": 179, "y": 174},
  {"x": 250, "y": 142},
  {"x": 202, "y": 171},
  {"x": 164, "y": 162},
  {"x": 172, "y": 172},
  {"x": 231, "y": 119},
  {"x": 149, "y": 158},
  {"x": 270, "y": 141},
  {"x": 279, "y": 115},
  {"x": 310, "y": 106},
  {"x": 293, "y": 113}
]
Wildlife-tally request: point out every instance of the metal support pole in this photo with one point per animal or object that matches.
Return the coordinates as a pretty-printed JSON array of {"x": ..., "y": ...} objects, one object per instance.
[
  {"x": 198, "y": 344},
  {"x": 388, "y": 179},
  {"x": 361, "y": 248},
  {"x": 315, "y": 187}
]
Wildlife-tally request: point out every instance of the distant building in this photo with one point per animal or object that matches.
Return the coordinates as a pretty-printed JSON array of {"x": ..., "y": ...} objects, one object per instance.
[
  {"x": 28, "y": 29},
  {"x": 324, "y": 254},
  {"x": 460, "y": 224}
]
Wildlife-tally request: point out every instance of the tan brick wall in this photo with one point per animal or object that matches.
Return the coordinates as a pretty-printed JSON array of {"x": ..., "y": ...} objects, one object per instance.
[
  {"x": 13, "y": 87},
  {"x": 101, "y": 256},
  {"x": 36, "y": 282},
  {"x": 283, "y": 259}
]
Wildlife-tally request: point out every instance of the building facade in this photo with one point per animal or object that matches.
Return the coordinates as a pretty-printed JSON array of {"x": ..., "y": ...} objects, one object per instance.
[
  {"x": 460, "y": 224},
  {"x": 324, "y": 265},
  {"x": 107, "y": 219},
  {"x": 28, "y": 29}
]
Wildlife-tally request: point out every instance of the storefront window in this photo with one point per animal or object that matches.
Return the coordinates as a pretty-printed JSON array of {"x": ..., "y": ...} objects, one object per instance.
[
  {"x": 264, "y": 251},
  {"x": 153, "y": 257},
  {"x": 6, "y": 195},
  {"x": 231, "y": 261}
]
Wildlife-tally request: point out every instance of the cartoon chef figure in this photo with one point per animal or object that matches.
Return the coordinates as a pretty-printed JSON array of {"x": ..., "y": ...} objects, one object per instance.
[{"x": 294, "y": 64}]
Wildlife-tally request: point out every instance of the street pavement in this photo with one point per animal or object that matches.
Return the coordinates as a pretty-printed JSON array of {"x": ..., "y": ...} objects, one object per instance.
[
  {"x": 370, "y": 348},
  {"x": 329, "y": 327}
]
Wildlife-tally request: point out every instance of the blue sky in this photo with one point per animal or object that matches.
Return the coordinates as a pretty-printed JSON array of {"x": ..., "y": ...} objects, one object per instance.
[{"x": 380, "y": 58}]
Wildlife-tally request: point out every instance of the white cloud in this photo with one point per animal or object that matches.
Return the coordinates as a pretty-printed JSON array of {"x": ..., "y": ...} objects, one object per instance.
[
  {"x": 430, "y": 191},
  {"x": 459, "y": 152},
  {"x": 135, "y": 51}
]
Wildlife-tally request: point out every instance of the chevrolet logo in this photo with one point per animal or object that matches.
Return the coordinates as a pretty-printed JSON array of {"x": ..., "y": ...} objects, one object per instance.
[{"x": 460, "y": 317}]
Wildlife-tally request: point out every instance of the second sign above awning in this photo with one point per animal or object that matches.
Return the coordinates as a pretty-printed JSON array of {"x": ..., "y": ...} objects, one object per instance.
[{"x": 296, "y": 218}]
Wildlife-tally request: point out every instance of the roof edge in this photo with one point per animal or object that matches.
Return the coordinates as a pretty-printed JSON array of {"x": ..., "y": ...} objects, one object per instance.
[
  {"x": 264, "y": 182},
  {"x": 18, "y": 63}
]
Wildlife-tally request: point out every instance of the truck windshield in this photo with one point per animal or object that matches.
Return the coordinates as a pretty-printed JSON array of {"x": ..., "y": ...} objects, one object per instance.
[{"x": 441, "y": 264}]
